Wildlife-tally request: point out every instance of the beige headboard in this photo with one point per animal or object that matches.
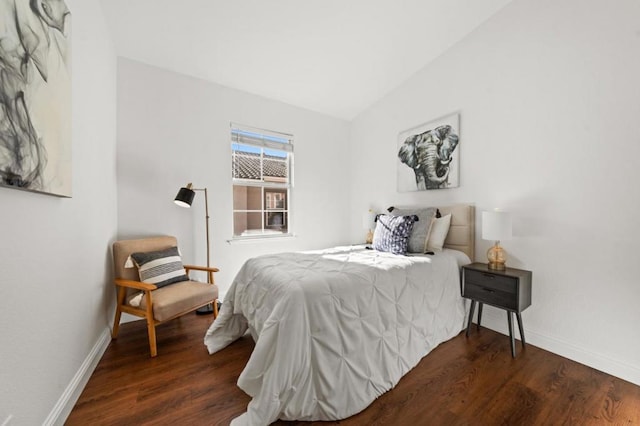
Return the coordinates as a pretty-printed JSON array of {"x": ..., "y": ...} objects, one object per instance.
[{"x": 462, "y": 233}]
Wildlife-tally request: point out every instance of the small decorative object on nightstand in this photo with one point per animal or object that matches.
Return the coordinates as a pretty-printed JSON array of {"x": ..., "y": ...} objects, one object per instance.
[
  {"x": 496, "y": 226},
  {"x": 509, "y": 290},
  {"x": 368, "y": 220}
]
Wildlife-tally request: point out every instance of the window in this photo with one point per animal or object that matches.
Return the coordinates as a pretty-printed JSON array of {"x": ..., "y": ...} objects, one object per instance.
[{"x": 262, "y": 170}]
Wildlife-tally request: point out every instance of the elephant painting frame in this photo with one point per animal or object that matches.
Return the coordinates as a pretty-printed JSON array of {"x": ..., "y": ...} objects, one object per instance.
[{"x": 428, "y": 155}]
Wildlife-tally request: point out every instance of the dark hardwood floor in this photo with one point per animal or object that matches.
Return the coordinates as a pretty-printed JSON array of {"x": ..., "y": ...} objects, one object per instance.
[{"x": 466, "y": 381}]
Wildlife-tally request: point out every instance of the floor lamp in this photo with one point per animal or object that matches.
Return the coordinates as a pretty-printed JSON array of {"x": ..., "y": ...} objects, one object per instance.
[{"x": 184, "y": 199}]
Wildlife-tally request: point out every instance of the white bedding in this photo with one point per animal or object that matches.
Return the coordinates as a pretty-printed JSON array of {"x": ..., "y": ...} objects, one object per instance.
[{"x": 336, "y": 328}]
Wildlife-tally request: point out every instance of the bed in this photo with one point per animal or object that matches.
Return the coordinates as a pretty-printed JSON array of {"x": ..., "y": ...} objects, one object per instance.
[{"x": 337, "y": 328}]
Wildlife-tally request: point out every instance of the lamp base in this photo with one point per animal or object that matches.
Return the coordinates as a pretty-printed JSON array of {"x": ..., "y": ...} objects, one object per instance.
[
  {"x": 369, "y": 239},
  {"x": 495, "y": 266},
  {"x": 497, "y": 257}
]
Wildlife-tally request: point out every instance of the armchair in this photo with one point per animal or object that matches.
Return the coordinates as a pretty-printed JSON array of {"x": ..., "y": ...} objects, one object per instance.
[{"x": 157, "y": 305}]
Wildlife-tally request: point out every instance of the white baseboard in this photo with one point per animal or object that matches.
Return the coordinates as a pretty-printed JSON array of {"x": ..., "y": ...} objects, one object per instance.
[
  {"x": 497, "y": 320},
  {"x": 68, "y": 399}
]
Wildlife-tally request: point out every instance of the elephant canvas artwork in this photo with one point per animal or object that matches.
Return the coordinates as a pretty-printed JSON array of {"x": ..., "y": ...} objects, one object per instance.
[
  {"x": 35, "y": 96},
  {"x": 428, "y": 155}
]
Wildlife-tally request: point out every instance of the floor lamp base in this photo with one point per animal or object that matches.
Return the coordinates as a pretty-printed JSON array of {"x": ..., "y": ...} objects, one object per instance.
[{"x": 207, "y": 309}]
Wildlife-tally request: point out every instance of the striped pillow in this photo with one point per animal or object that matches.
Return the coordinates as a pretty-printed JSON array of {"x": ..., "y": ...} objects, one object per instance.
[{"x": 161, "y": 267}]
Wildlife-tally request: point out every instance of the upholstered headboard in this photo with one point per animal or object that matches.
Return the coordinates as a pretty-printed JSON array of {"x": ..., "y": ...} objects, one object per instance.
[{"x": 462, "y": 233}]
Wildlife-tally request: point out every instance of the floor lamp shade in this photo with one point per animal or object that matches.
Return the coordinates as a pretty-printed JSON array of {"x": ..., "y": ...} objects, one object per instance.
[{"x": 185, "y": 196}]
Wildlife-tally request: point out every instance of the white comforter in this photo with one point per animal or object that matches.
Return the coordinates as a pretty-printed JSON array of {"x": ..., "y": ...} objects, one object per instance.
[{"x": 335, "y": 329}]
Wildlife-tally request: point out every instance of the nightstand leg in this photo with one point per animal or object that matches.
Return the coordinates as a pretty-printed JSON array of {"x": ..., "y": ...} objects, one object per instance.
[
  {"x": 480, "y": 305},
  {"x": 520, "y": 327},
  {"x": 473, "y": 308},
  {"x": 513, "y": 342}
]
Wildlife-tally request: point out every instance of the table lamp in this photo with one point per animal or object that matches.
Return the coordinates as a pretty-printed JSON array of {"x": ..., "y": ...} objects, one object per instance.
[
  {"x": 496, "y": 226},
  {"x": 368, "y": 220}
]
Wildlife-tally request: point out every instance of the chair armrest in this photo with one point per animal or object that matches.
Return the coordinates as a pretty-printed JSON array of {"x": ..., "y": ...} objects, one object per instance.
[
  {"x": 135, "y": 284},
  {"x": 200, "y": 268}
]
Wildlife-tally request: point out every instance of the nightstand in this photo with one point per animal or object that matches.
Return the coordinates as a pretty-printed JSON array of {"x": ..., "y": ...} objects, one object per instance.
[{"x": 509, "y": 290}]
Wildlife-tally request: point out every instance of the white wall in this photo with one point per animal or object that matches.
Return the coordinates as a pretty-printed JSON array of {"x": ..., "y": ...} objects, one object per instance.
[
  {"x": 549, "y": 97},
  {"x": 54, "y": 256},
  {"x": 174, "y": 129}
]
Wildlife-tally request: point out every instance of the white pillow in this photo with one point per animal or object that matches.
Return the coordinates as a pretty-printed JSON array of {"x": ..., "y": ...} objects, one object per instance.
[{"x": 439, "y": 231}]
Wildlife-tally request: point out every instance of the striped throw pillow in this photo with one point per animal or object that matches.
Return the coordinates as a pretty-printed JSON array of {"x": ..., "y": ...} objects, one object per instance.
[{"x": 161, "y": 267}]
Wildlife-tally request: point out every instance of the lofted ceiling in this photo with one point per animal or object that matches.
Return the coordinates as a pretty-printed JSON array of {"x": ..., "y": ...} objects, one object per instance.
[{"x": 335, "y": 57}]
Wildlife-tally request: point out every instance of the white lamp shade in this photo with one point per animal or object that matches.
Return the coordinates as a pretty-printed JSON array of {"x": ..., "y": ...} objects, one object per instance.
[
  {"x": 368, "y": 219},
  {"x": 496, "y": 226}
]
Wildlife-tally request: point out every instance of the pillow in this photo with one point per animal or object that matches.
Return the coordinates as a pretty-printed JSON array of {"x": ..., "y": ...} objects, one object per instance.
[
  {"x": 392, "y": 233},
  {"x": 439, "y": 231},
  {"x": 161, "y": 267},
  {"x": 420, "y": 234}
]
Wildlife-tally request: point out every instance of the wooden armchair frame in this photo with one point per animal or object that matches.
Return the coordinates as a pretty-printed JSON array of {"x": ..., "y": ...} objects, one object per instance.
[{"x": 123, "y": 285}]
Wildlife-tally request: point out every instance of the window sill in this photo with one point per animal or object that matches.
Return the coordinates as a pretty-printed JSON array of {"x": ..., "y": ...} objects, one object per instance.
[{"x": 261, "y": 238}]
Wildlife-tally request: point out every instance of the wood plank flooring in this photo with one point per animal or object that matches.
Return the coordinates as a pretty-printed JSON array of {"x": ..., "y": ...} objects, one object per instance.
[{"x": 466, "y": 381}]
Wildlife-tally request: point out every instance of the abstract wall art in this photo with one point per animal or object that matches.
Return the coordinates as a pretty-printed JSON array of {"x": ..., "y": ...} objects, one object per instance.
[
  {"x": 35, "y": 96},
  {"x": 428, "y": 155}
]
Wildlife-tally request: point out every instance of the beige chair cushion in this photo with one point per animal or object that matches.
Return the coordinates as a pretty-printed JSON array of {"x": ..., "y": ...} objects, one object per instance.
[{"x": 180, "y": 297}]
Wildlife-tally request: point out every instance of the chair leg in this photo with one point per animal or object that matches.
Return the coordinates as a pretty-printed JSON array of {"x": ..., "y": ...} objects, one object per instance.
[
  {"x": 151, "y": 328},
  {"x": 116, "y": 323},
  {"x": 122, "y": 292},
  {"x": 151, "y": 325}
]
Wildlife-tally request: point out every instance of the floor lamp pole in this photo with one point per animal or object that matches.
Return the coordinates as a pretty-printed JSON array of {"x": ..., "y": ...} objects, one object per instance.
[
  {"x": 206, "y": 210},
  {"x": 209, "y": 308},
  {"x": 206, "y": 218}
]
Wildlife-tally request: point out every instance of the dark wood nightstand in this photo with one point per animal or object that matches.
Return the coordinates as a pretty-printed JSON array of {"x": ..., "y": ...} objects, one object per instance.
[{"x": 509, "y": 290}]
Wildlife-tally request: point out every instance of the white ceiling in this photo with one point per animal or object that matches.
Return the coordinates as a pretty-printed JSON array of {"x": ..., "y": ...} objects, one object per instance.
[{"x": 332, "y": 56}]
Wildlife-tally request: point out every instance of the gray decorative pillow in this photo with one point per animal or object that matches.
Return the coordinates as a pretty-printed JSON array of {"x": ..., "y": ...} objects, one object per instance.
[
  {"x": 392, "y": 233},
  {"x": 161, "y": 267},
  {"x": 421, "y": 229}
]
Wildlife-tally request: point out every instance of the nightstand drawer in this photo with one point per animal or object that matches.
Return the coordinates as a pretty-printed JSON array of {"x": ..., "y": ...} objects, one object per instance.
[
  {"x": 490, "y": 296},
  {"x": 491, "y": 281}
]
